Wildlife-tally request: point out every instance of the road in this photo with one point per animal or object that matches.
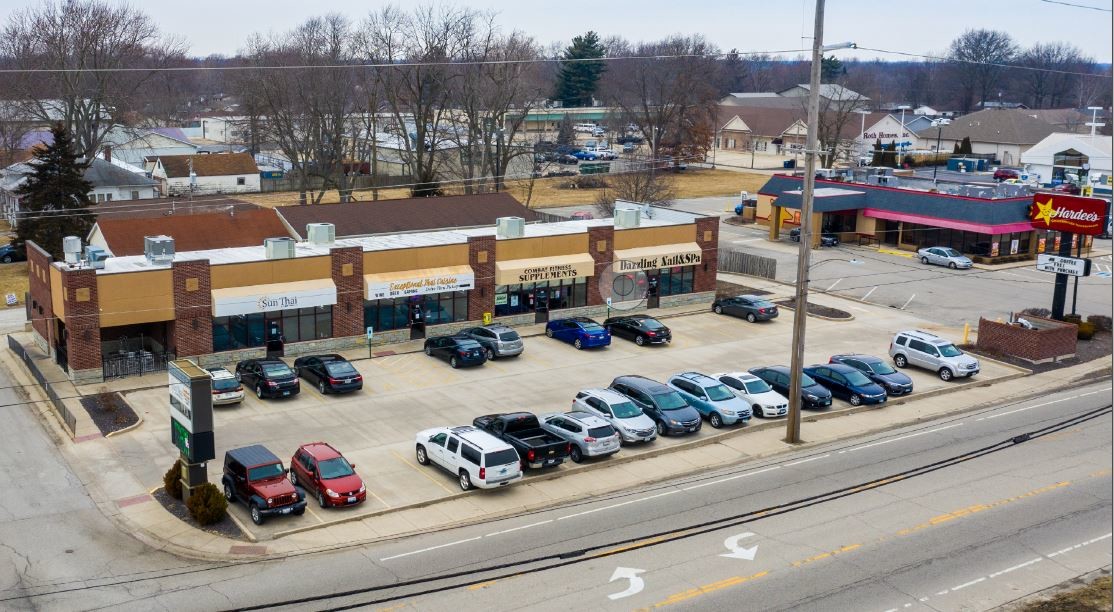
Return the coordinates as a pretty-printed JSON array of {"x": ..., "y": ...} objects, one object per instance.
[{"x": 971, "y": 535}]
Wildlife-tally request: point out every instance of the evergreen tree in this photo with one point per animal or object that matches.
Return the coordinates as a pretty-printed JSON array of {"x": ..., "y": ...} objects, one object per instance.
[
  {"x": 956, "y": 150},
  {"x": 565, "y": 133},
  {"x": 54, "y": 191},
  {"x": 965, "y": 146},
  {"x": 876, "y": 157},
  {"x": 578, "y": 79},
  {"x": 831, "y": 69}
]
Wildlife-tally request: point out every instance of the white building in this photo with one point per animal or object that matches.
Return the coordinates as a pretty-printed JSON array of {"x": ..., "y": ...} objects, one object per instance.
[
  {"x": 201, "y": 174},
  {"x": 133, "y": 145},
  {"x": 110, "y": 183},
  {"x": 1062, "y": 155}
]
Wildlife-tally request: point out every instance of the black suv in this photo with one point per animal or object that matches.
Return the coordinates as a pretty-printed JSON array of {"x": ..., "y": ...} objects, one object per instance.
[
  {"x": 329, "y": 373},
  {"x": 255, "y": 476},
  {"x": 267, "y": 377}
]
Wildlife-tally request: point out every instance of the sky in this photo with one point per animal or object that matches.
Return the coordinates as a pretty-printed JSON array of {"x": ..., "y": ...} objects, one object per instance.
[{"x": 221, "y": 26}]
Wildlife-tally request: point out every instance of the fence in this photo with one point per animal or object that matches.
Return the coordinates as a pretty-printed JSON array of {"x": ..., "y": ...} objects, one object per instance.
[
  {"x": 290, "y": 182},
  {"x": 136, "y": 363},
  {"x": 745, "y": 263},
  {"x": 67, "y": 417}
]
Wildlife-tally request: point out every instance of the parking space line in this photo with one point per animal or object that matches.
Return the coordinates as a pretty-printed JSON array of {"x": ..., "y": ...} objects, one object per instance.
[
  {"x": 422, "y": 472},
  {"x": 863, "y": 299},
  {"x": 313, "y": 514},
  {"x": 385, "y": 504}
]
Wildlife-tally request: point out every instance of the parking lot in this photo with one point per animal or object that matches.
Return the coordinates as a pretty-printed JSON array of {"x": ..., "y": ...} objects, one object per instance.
[{"x": 406, "y": 393}]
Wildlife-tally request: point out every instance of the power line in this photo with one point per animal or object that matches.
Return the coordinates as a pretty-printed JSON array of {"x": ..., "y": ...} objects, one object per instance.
[
  {"x": 1082, "y": 6},
  {"x": 978, "y": 63}
]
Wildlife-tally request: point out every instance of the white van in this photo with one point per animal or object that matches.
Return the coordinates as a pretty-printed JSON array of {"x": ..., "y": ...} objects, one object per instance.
[{"x": 584, "y": 128}]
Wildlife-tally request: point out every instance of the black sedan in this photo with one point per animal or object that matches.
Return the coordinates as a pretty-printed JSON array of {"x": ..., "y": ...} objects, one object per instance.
[
  {"x": 329, "y": 373},
  {"x": 848, "y": 383},
  {"x": 642, "y": 329},
  {"x": 750, "y": 307},
  {"x": 457, "y": 350},
  {"x": 813, "y": 393},
  {"x": 826, "y": 240},
  {"x": 878, "y": 370},
  {"x": 10, "y": 253},
  {"x": 268, "y": 377}
]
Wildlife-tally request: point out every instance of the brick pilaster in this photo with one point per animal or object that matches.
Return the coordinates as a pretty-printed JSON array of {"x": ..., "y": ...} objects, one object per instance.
[
  {"x": 191, "y": 331},
  {"x": 348, "y": 275},
  {"x": 601, "y": 245},
  {"x": 40, "y": 308},
  {"x": 83, "y": 319},
  {"x": 481, "y": 256},
  {"x": 707, "y": 237}
]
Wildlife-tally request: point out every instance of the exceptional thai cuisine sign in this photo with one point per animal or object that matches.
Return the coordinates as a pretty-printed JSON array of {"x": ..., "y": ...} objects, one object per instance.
[{"x": 1067, "y": 213}]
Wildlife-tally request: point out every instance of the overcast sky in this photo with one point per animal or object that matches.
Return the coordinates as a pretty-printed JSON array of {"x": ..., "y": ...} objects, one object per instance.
[{"x": 221, "y": 26}]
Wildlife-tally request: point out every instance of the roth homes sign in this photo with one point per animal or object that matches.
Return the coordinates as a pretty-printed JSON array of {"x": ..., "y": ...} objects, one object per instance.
[
  {"x": 419, "y": 282},
  {"x": 1066, "y": 213},
  {"x": 653, "y": 258}
]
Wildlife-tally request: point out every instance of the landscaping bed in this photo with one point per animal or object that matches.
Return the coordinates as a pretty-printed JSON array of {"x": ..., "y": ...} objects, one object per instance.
[
  {"x": 225, "y": 527},
  {"x": 816, "y": 309},
  {"x": 726, "y": 289},
  {"x": 109, "y": 411}
]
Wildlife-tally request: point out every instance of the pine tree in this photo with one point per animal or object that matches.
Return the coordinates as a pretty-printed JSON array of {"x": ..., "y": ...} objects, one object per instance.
[
  {"x": 578, "y": 79},
  {"x": 54, "y": 191},
  {"x": 876, "y": 157},
  {"x": 965, "y": 146},
  {"x": 831, "y": 69},
  {"x": 956, "y": 150},
  {"x": 565, "y": 133}
]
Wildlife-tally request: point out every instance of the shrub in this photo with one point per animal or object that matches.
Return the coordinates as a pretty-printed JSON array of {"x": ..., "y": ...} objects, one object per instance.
[
  {"x": 172, "y": 482},
  {"x": 1101, "y": 322},
  {"x": 1037, "y": 312},
  {"x": 1086, "y": 331},
  {"x": 207, "y": 505}
]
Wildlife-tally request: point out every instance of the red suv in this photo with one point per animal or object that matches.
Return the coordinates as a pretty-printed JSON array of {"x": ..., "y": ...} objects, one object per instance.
[
  {"x": 254, "y": 475},
  {"x": 327, "y": 475},
  {"x": 1003, "y": 174}
]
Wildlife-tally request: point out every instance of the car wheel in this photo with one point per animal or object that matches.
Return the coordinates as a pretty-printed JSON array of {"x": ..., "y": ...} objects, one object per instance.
[
  {"x": 945, "y": 374},
  {"x": 258, "y": 391},
  {"x": 924, "y": 260},
  {"x": 661, "y": 429},
  {"x": 751, "y": 318},
  {"x": 952, "y": 265},
  {"x": 238, "y": 377},
  {"x": 578, "y": 344},
  {"x": 423, "y": 458},
  {"x": 321, "y": 499},
  {"x": 7, "y": 259},
  {"x": 256, "y": 514},
  {"x": 899, "y": 361},
  {"x": 717, "y": 309},
  {"x": 299, "y": 511},
  {"x": 465, "y": 481},
  {"x": 489, "y": 354},
  {"x": 229, "y": 496},
  {"x": 757, "y": 410},
  {"x": 715, "y": 421},
  {"x": 576, "y": 455},
  {"x": 428, "y": 352},
  {"x": 855, "y": 399},
  {"x": 453, "y": 363},
  {"x": 321, "y": 387},
  {"x": 548, "y": 333},
  {"x": 639, "y": 340}
]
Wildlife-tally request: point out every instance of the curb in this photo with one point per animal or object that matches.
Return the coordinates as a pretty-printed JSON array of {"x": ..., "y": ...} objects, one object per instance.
[
  {"x": 126, "y": 429},
  {"x": 850, "y": 316}
]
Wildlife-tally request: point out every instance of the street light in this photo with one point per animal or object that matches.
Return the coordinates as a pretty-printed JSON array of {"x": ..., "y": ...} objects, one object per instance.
[
  {"x": 939, "y": 125},
  {"x": 1094, "y": 120}
]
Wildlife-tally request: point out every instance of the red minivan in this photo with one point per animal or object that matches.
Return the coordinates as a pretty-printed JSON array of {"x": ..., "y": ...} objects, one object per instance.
[{"x": 325, "y": 474}]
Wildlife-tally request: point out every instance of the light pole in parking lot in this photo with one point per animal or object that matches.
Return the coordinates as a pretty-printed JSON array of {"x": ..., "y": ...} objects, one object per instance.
[{"x": 939, "y": 125}]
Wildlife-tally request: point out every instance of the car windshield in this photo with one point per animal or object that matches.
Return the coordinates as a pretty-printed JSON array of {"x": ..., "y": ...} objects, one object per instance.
[
  {"x": 670, "y": 401},
  {"x": 502, "y": 457},
  {"x": 277, "y": 369},
  {"x": 857, "y": 378},
  {"x": 719, "y": 393},
  {"x": 264, "y": 472},
  {"x": 510, "y": 336},
  {"x": 949, "y": 350},
  {"x": 806, "y": 380},
  {"x": 590, "y": 326},
  {"x": 225, "y": 384},
  {"x": 340, "y": 368},
  {"x": 337, "y": 467},
  {"x": 881, "y": 367},
  {"x": 625, "y": 410},
  {"x": 952, "y": 253},
  {"x": 757, "y": 386}
]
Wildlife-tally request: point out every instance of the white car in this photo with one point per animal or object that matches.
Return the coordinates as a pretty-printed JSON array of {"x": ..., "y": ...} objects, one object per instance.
[
  {"x": 627, "y": 418},
  {"x": 764, "y": 401},
  {"x": 226, "y": 389},
  {"x": 478, "y": 458}
]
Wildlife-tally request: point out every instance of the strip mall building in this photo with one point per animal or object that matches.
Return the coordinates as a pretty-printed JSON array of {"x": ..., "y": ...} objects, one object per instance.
[{"x": 221, "y": 304}]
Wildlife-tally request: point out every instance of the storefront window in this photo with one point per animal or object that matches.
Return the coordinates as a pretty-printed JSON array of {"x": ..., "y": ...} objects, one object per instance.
[
  {"x": 676, "y": 280},
  {"x": 247, "y": 331},
  {"x": 554, "y": 295},
  {"x": 437, "y": 308}
]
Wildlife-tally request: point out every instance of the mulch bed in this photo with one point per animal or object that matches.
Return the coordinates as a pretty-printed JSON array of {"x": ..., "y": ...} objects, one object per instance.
[
  {"x": 1099, "y": 346},
  {"x": 816, "y": 309},
  {"x": 726, "y": 289},
  {"x": 109, "y": 411},
  {"x": 177, "y": 507}
]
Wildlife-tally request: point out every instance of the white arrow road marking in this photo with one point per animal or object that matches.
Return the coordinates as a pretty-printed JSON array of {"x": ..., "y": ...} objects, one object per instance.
[
  {"x": 732, "y": 544},
  {"x": 636, "y": 583}
]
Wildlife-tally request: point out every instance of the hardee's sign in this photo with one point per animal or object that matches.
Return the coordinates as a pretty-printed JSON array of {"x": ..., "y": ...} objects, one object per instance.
[{"x": 1066, "y": 213}]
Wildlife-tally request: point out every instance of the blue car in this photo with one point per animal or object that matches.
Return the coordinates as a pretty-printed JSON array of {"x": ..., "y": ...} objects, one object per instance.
[
  {"x": 878, "y": 370},
  {"x": 848, "y": 383},
  {"x": 581, "y": 332},
  {"x": 585, "y": 155}
]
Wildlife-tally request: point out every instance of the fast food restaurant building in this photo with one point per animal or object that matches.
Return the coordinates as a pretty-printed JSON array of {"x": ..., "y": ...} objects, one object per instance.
[{"x": 222, "y": 305}]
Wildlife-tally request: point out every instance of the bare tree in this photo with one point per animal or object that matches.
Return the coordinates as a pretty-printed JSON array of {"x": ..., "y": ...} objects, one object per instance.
[
  {"x": 644, "y": 187},
  {"x": 307, "y": 109},
  {"x": 978, "y": 58},
  {"x": 86, "y": 39}
]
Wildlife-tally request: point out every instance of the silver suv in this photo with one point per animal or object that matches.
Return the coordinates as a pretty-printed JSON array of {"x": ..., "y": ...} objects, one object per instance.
[
  {"x": 497, "y": 340},
  {"x": 931, "y": 352},
  {"x": 615, "y": 408}
]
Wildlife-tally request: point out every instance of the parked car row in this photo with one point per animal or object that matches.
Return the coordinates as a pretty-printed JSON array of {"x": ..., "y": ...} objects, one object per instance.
[{"x": 273, "y": 378}]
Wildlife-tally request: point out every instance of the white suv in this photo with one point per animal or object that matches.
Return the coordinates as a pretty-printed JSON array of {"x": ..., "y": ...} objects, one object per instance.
[
  {"x": 478, "y": 458},
  {"x": 931, "y": 352},
  {"x": 624, "y": 415},
  {"x": 226, "y": 389}
]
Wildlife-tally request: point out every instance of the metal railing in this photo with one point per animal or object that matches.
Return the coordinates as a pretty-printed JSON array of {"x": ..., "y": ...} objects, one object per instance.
[
  {"x": 60, "y": 406},
  {"x": 136, "y": 363}
]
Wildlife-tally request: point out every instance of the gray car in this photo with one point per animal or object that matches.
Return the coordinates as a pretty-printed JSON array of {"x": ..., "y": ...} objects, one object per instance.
[
  {"x": 944, "y": 256},
  {"x": 590, "y": 435},
  {"x": 750, "y": 307},
  {"x": 497, "y": 340},
  {"x": 618, "y": 410}
]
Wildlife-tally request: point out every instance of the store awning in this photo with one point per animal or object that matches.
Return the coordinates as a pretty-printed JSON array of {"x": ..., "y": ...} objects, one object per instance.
[
  {"x": 278, "y": 296},
  {"x": 538, "y": 269},
  {"x": 386, "y": 285},
  {"x": 661, "y": 256}
]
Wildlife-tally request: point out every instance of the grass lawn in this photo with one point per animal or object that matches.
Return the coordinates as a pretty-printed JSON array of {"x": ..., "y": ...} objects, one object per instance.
[
  {"x": 13, "y": 279},
  {"x": 693, "y": 183}
]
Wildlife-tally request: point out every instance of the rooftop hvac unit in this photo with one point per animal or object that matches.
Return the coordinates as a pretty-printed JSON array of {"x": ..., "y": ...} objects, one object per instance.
[
  {"x": 279, "y": 248},
  {"x": 158, "y": 249},
  {"x": 627, "y": 217},
  {"x": 96, "y": 256},
  {"x": 71, "y": 246},
  {"x": 321, "y": 234},
  {"x": 510, "y": 227}
]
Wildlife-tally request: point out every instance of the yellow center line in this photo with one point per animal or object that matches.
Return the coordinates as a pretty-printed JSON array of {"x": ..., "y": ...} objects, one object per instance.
[
  {"x": 969, "y": 510},
  {"x": 825, "y": 555},
  {"x": 704, "y": 590},
  {"x": 422, "y": 472},
  {"x": 481, "y": 585}
]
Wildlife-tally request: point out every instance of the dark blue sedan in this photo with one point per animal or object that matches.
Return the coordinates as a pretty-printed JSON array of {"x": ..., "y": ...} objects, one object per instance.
[
  {"x": 581, "y": 332},
  {"x": 848, "y": 383},
  {"x": 879, "y": 370}
]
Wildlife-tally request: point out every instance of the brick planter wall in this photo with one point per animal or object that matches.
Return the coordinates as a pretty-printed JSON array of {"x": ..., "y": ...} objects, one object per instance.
[
  {"x": 1051, "y": 341},
  {"x": 191, "y": 331}
]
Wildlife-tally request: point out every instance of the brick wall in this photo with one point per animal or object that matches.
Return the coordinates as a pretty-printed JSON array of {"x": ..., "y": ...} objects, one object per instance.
[
  {"x": 707, "y": 237},
  {"x": 191, "y": 331},
  {"x": 1052, "y": 340},
  {"x": 83, "y": 319},
  {"x": 348, "y": 275},
  {"x": 601, "y": 246},
  {"x": 481, "y": 256},
  {"x": 40, "y": 308}
]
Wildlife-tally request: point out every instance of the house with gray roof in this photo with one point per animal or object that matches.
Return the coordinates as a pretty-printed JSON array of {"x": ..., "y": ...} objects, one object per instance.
[
  {"x": 1004, "y": 133},
  {"x": 111, "y": 183}
]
